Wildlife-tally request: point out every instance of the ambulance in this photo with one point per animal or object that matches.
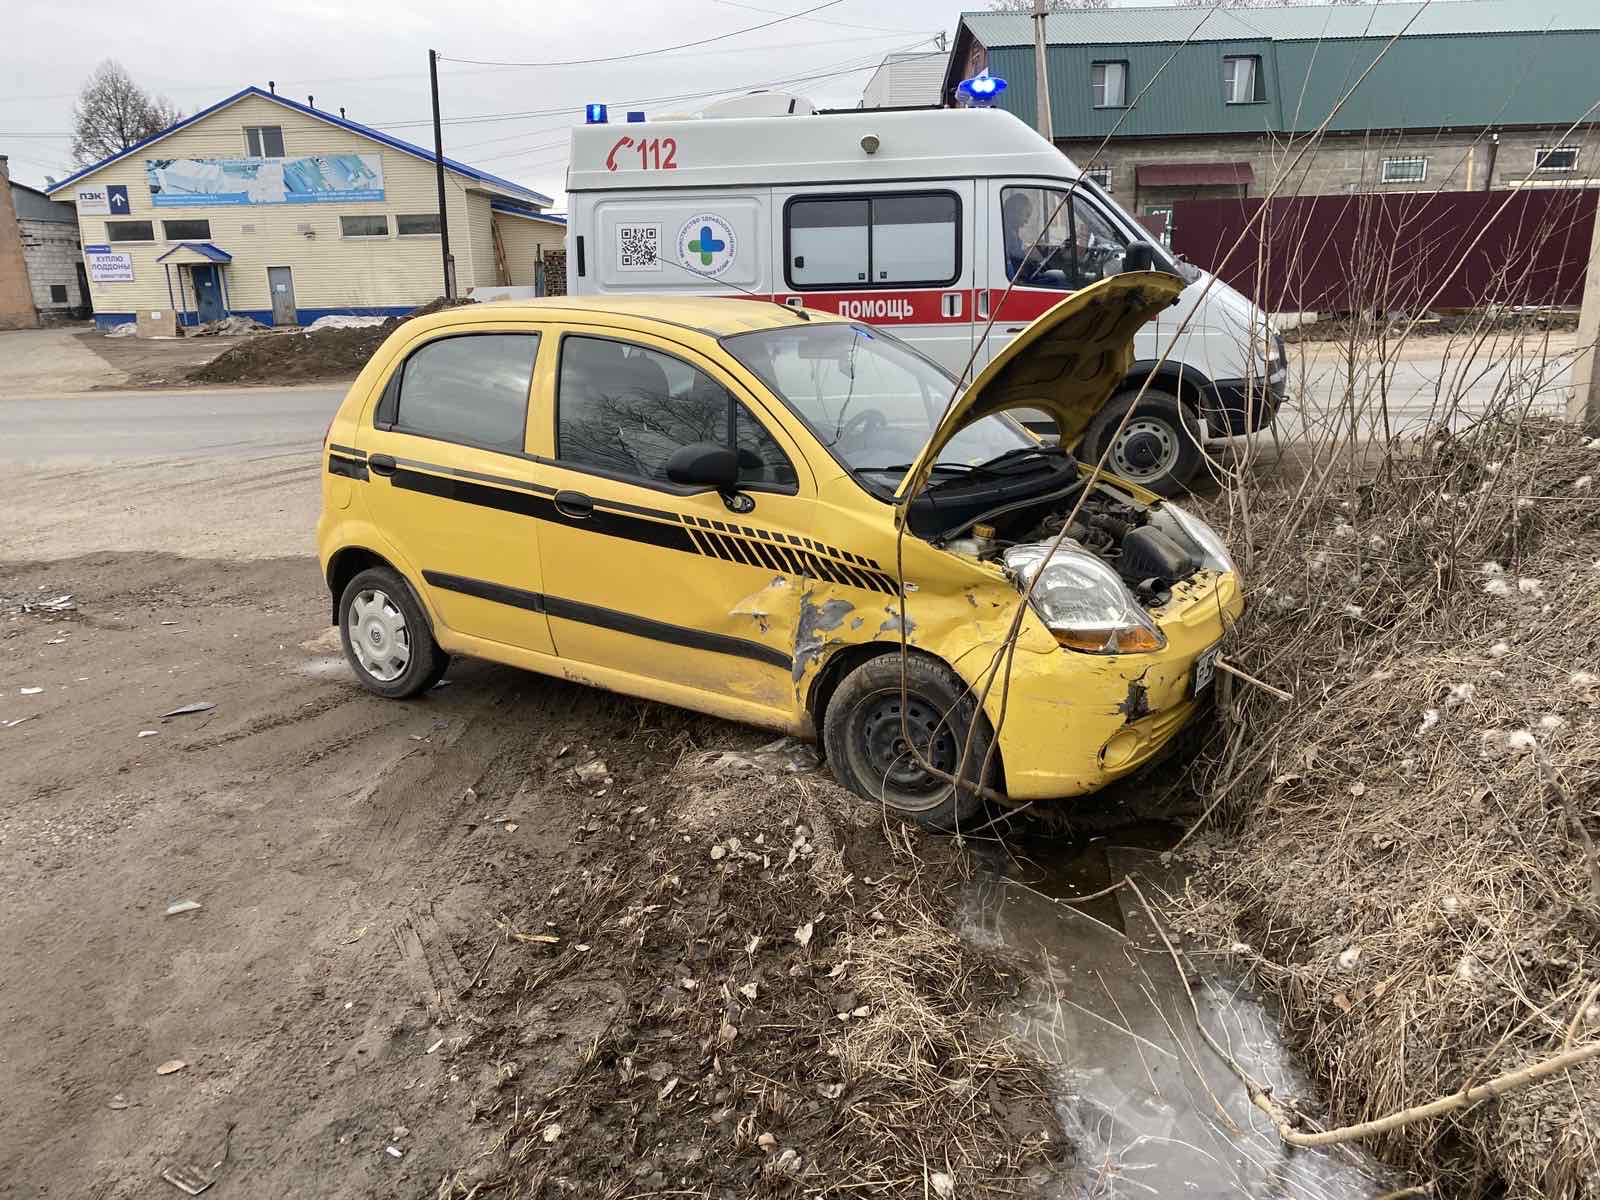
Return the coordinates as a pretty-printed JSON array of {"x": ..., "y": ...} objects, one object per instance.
[{"x": 952, "y": 229}]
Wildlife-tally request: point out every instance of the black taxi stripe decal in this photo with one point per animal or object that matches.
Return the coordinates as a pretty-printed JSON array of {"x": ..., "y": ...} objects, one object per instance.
[
  {"x": 349, "y": 468},
  {"x": 610, "y": 618},
  {"x": 786, "y": 553},
  {"x": 347, "y": 451}
]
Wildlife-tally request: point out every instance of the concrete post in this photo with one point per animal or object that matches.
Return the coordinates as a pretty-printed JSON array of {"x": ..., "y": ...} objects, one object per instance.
[
  {"x": 1041, "y": 72},
  {"x": 1584, "y": 404},
  {"x": 16, "y": 294}
]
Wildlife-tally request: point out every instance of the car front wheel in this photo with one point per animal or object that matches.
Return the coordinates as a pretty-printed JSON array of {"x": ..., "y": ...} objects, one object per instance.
[
  {"x": 386, "y": 636},
  {"x": 871, "y": 725}
]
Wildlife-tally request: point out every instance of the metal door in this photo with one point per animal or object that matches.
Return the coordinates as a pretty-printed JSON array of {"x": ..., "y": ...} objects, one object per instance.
[
  {"x": 280, "y": 282},
  {"x": 207, "y": 293}
]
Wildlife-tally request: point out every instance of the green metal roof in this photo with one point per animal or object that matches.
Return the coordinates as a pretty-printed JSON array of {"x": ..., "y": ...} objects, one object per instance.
[
  {"x": 1175, "y": 24},
  {"x": 1468, "y": 63}
]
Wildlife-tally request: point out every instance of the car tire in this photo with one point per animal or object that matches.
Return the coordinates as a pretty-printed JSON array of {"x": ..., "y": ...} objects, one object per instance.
[
  {"x": 1159, "y": 447},
  {"x": 386, "y": 636},
  {"x": 862, "y": 738}
]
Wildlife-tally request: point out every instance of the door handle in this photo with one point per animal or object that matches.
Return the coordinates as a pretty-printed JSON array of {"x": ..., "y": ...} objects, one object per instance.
[
  {"x": 572, "y": 504},
  {"x": 983, "y": 304},
  {"x": 1015, "y": 328},
  {"x": 383, "y": 464}
]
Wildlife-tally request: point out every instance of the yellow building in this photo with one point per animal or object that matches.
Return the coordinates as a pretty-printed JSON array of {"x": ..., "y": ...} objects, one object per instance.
[{"x": 265, "y": 207}]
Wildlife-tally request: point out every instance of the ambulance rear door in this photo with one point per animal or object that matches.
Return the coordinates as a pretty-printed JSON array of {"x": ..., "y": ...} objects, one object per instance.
[{"x": 899, "y": 255}]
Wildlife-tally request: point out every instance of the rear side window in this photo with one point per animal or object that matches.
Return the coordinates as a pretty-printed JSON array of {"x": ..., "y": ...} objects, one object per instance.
[
  {"x": 883, "y": 240},
  {"x": 624, "y": 410},
  {"x": 471, "y": 389}
]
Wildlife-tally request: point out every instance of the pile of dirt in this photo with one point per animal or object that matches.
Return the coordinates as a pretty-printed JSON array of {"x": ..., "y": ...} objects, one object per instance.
[
  {"x": 766, "y": 996},
  {"x": 1407, "y": 855},
  {"x": 301, "y": 356}
]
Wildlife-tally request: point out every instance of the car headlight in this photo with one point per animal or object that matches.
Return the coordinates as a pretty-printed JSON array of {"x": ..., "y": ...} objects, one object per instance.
[
  {"x": 1082, "y": 602},
  {"x": 1204, "y": 539}
]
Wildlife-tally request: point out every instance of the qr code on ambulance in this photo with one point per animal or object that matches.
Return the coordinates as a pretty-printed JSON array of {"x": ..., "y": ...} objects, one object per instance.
[{"x": 638, "y": 247}]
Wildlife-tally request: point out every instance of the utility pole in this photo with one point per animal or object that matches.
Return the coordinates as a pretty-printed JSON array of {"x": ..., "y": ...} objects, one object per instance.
[
  {"x": 1583, "y": 406},
  {"x": 438, "y": 172},
  {"x": 1041, "y": 73}
]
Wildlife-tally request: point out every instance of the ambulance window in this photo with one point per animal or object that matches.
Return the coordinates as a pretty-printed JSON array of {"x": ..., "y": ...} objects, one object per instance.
[
  {"x": 914, "y": 239},
  {"x": 624, "y": 409},
  {"x": 828, "y": 242},
  {"x": 470, "y": 389},
  {"x": 881, "y": 240}
]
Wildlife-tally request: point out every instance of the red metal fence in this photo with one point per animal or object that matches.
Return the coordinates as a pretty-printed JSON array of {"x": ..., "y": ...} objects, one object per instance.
[{"x": 1402, "y": 251}]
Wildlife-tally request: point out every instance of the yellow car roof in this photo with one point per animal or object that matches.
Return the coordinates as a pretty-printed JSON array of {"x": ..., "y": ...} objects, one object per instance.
[{"x": 716, "y": 316}]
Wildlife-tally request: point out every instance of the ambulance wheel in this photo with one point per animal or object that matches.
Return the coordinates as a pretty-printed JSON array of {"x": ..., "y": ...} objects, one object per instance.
[
  {"x": 864, "y": 734},
  {"x": 1159, "y": 447},
  {"x": 386, "y": 636}
]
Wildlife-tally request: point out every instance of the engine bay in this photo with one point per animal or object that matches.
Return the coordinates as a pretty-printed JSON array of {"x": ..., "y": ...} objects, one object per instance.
[{"x": 1149, "y": 551}]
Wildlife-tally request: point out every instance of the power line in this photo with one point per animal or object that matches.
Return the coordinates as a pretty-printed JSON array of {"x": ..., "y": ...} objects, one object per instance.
[
  {"x": 585, "y": 62},
  {"x": 849, "y": 67},
  {"x": 818, "y": 20}
]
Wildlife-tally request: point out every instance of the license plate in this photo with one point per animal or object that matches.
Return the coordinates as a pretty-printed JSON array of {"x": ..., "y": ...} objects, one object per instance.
[{"x": 1205, "y": 670}]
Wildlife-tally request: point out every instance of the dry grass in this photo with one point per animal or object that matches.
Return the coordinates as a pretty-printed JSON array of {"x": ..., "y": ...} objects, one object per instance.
[{"x": 1407, "y": 854}]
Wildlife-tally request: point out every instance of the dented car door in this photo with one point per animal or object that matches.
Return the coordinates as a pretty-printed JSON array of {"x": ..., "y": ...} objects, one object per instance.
[{"x": 681, "y": 584}]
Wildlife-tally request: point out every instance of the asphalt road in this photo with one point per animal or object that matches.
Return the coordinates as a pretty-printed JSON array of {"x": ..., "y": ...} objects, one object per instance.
[
  {"x": 147, "y": 424},
  {"x": 127, "y": 425}
]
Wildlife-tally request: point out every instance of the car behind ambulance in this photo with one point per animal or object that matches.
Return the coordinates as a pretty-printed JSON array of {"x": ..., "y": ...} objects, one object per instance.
[{"x": 927, "y": 222}]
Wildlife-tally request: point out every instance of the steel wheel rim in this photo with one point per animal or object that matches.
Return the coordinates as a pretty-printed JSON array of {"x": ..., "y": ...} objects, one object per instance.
[
  {"x": 896, "y": 770},
  {"x": 378, "y": 635},
  {"x": 1155, "y": 443}
]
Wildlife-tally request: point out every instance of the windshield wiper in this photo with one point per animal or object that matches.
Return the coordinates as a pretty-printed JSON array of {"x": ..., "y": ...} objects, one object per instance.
[
  {"x": 948, "y": 468},
  {"x": 1021, "y": 453}
]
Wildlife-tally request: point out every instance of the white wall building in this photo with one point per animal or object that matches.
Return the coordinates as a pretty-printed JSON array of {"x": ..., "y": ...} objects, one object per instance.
[{"x": 266, "y": 207}]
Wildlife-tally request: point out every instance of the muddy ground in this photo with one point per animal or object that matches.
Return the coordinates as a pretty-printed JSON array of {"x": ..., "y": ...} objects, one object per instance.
[{"x": 438, "y": 945}]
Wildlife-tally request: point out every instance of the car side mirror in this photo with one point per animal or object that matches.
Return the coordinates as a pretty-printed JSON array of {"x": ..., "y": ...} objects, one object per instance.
[
  {"x": 1139, "y": 256},
  {"x": 705, "y": 464}
]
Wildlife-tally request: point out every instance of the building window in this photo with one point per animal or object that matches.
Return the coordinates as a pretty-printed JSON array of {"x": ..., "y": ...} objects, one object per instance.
[
  {"x": 877, "y": 241},
  {"x": 130, "y": 231},
  {"x": 1108, "y": 84},
  {"x": 471, "y": 389},
  {"x": 1404, "y": 170},
  {"x": 364, "y": 227},
  {"x": 1241, "y": 79},
  {"x": 1555, "y": 158},
  {"x": 263, "y": 141},
  {"x": 58, "y": 293},
  {"x": 1100, "y": 177},
  {"x": 187, "y": 231},
  {"x": 417, "y": 224}
]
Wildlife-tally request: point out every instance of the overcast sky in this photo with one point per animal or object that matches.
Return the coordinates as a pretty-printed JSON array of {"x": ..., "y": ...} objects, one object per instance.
[{"x": 372, "y": 59}]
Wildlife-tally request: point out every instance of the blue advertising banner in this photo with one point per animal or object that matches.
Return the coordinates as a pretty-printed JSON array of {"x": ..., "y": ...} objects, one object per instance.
[{"x": 310, "y": 179}]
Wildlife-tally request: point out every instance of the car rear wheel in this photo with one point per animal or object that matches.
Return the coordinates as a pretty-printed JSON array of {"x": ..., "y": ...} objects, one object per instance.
[
  {"x": 1159, "y": 446},
  {"x": 386, "y": 636},
  {"x": 864, "y": 735}
]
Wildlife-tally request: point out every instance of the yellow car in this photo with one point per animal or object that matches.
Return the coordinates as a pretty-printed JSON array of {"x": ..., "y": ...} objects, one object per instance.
[{"x": 747, "y": 509}]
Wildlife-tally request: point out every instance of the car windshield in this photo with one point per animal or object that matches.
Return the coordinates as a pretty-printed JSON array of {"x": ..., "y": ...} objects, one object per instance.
[{"x": 870, "y": 399}]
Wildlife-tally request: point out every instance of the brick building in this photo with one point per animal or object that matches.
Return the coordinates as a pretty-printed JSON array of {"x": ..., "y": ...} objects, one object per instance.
[
  {"x": 16, "y": 294},
  {"x": 50, "y": 246},
  {"x": 1210, "y": 104}
]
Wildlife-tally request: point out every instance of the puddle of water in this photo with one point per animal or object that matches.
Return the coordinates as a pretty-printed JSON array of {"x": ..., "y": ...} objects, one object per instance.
[{"x": 1151, "y": 1109}]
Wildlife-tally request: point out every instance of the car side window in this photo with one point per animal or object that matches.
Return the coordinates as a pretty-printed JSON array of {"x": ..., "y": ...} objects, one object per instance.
[
  {"x": 625, "y": 409},
  {"x": 470, "y": 388}
]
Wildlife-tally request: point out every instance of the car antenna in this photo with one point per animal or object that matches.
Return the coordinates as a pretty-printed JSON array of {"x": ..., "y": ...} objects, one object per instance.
[{"x": 789, "y": 308}]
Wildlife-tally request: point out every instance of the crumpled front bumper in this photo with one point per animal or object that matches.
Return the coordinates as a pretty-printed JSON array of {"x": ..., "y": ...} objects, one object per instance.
[{"x": 1076, "y": 722}]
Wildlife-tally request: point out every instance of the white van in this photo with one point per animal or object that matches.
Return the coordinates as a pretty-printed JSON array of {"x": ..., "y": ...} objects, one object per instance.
[{"x": 918, "y": 221}]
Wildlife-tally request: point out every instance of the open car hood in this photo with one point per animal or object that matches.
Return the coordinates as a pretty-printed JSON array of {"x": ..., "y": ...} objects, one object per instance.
[{"x": 1067, "y": 363}]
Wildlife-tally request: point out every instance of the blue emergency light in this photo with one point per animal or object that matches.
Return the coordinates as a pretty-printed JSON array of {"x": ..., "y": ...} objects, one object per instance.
[
  {"x": 595, "y": 114},
  {"x": 981, "y": 90}
]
